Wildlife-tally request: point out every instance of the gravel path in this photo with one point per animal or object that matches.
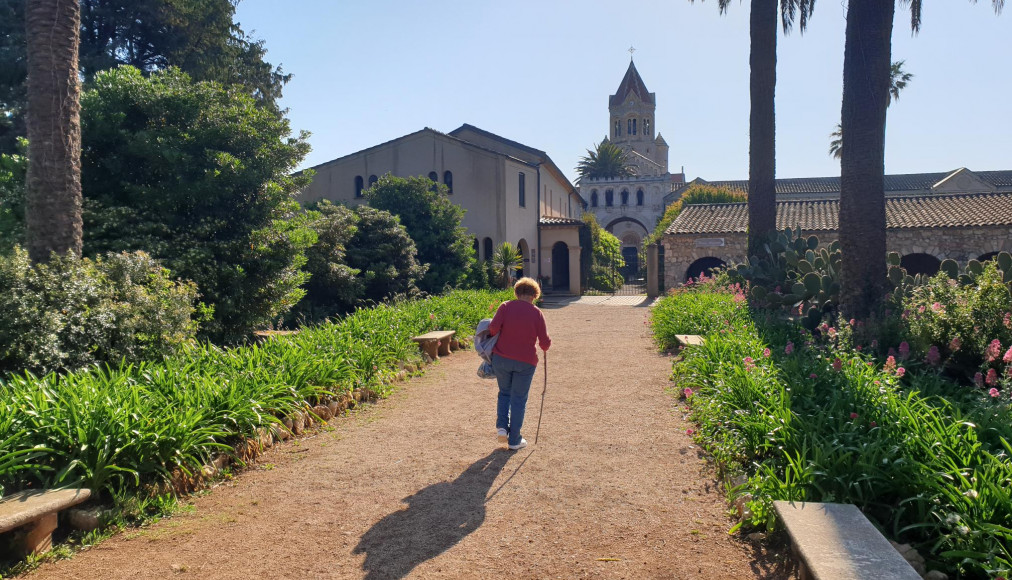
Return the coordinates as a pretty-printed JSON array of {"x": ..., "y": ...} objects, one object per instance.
[{"x": 417, "y": 486}]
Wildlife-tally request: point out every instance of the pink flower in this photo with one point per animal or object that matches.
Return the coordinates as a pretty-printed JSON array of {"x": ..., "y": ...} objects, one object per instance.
[
  {"x": 890, "y": 363},
  {"x": 823, "y": 327},
  {"x": 993, "y": 392},
  {"x": 955, "y": 344},
  {"x": 978, "y": 379},
  {"x": 837, "y": 365},
  {"x": 767, "y": 353},
  {"x": 689, "y": 431},
  {"x": 789, "y": 348},
  {"x": 854, "y": 415},
  {"x": 936, "y": 306},
  {"x": 920, "y": 310},
  {"x": 748, "y": 363},
  {"x": 900, "y": 372},
  {"x": 859, "y": 348},
  {"x": 1008, "y": 356},
  {"x": 831, "y": 332},
  {"x": 992, "y": 378},
  {"x": 905, "y": 314},
  {"x": 1008, "y": 320},
  {"x": 904, "y": 350},
  {"x": 934, "y": 356},
  {"x": 852, "y": 322},
  {"x": 432, "y": 316},
  {"x": 993, "y": 350},
  {"x": 687, "y": 392},
  {"x": 813, "y": 376},
  {"x": 873, "y": 424}
]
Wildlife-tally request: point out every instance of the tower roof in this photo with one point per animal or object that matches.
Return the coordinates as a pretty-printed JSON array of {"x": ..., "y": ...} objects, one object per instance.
[{"x": 631, "y": 83}]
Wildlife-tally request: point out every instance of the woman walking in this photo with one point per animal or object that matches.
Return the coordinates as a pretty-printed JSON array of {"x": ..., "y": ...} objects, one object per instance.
[{"x": 518, "y": 324}]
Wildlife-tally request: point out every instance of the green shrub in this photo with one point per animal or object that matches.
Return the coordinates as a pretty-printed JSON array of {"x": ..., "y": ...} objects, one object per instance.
[
  {"x": 606, "y": 257},
  {"x": 695, "y": 194},
  {"x": 70, "y": 314},
  {"x": 200, "y": 177},
  {"x": 433, "y": 222},
  {"x": 13, "y": 169}
]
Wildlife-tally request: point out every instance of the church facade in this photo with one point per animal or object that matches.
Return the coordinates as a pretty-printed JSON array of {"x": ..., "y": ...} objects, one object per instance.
[{"x": 630, "y": 207}]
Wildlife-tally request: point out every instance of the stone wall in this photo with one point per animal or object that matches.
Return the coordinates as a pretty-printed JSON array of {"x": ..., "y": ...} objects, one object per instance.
[{"x": 960, "y": 244}]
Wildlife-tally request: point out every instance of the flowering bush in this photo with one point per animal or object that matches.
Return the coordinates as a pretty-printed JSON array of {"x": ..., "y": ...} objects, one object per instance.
[{"x": 960, "y": 328}]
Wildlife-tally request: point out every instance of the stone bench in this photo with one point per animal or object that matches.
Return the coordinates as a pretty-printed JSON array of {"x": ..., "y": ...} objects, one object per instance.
[
  {"x": 685, "y": 340},
  {"x": 35, "y": 511},
  {"x": 435, "y": 343},
  {"x": 835, "y": 541}
]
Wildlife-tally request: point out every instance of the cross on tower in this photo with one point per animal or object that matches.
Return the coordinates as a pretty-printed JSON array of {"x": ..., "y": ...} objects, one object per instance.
[{"x": 631, "y": 51}]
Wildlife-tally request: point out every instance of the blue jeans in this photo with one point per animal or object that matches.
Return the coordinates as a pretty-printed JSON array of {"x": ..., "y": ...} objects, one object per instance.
[{"x": 514, "y": 385}]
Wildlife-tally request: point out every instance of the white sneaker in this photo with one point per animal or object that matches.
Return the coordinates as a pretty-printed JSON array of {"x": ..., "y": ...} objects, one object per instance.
[
  {"x": 521, "y": 445},
  {"x": 503, "y": 435}
]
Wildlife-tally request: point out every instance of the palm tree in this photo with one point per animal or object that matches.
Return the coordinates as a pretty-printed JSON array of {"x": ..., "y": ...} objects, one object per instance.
[
  {"x": 866, "y": 73},
  {"x": 898, "y": 80},
  {"x": 608, "y": 160},
  {"x": 53, "y": 196},
  {"x": 505, "y": 260},
  {"x": 762, "y": 208}
]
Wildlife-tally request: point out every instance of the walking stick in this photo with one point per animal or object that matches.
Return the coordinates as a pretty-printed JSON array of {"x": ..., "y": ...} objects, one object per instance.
[{"x": 542, "y": 411}]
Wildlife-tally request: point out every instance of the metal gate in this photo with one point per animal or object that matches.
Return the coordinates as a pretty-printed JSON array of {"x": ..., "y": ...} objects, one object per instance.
[{"x": 619, "y": 276}]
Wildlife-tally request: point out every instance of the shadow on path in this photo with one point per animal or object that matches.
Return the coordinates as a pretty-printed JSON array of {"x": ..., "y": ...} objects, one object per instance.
[{"x": 438, "y": 517}]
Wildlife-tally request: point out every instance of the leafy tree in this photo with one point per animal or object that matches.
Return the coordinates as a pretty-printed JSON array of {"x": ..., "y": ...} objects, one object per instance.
[
  {"x": 695, "y": 194},
  {"x": 762, "y": 212},
  {"x": 199, "y": 176},
  {"x": 13, "y": 169},
  {"x": 384, "y": 254},
  {"x": 606, "y": 256},
  {"x": 433, "y": 222},
  {"x": 53, "y": 191},
  {"x": 866, "y": 73},
  {"x": 607, "y": 160},
  {"x": 333, "y": 286},
  {"x": 898, "y": 79},
  {"x": 506, "y": 260},
  {"x": 198, "y": 36}
]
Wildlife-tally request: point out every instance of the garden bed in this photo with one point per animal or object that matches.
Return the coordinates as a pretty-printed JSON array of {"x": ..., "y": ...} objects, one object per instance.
[{"x": 804, "y": 417}]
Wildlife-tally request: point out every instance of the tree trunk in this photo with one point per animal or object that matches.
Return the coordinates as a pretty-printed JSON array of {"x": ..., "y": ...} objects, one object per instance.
[
  {"x": 53, "y": 197},
  {"x": 862, "y": 195},
  {"x": 762, "y": 208}
]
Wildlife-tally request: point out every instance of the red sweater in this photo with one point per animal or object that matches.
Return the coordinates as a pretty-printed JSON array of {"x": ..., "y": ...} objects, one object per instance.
[{"x": 518, "y": 324}]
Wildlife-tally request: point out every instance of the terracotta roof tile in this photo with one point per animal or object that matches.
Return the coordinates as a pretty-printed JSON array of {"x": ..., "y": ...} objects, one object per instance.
[
  {"x": 923, "y": 211},
  {"x": 901, "y": 182}
]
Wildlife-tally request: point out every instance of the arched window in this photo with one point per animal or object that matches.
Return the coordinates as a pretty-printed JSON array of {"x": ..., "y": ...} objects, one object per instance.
[
  {"x": 639, "y": 197},
  {"x": 593, "y": 198},
  {"x": 359, "y": 185},
  {"x": 488, "y": 249},
  {"x": 634, "y": 126},
  {"x": 477, "y": 246},
  {"x": 433, "y": 177},
  {"x": 448, "y": 180},
  {"x": 618, "y": 128},
  {"x": 628, "y": 126},
  {"x": 609, "y": 198},
  {"x": 625, "y": 197},
  {"x": 372, "y": 180},
  {"x": 646, "y": 127}
]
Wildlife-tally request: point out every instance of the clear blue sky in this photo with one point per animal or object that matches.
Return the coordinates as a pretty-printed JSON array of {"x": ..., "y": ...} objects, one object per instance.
[{"x": 540, "y": 72}]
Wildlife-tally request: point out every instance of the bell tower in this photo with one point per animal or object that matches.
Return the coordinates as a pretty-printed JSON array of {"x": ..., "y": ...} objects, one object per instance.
[{"x": 631, "y": 112}]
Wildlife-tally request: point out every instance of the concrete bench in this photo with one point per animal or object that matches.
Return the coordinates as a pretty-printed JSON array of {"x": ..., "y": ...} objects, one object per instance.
[
  {"x": 435, "y": 343},
  {"x": 35, "y": 511},
  {"x": 685, "y": 340},
  {"x": 835, "y": 541}
]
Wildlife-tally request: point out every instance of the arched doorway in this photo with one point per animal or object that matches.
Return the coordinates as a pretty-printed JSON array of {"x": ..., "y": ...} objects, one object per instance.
[
  {"x": 630, "y": 255},
  {"x": 987, "y": 256},
  {"x": 525, "y": 252},
  {"x": 560, "y": 266},
  {"x": 920, "y": 264},
  {"x": 703, "y": 266},
  {"x": 488, "y": 249}
]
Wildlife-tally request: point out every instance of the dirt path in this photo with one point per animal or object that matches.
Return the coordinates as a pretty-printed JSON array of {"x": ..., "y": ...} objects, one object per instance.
[{"x": 416, "y": 486}]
